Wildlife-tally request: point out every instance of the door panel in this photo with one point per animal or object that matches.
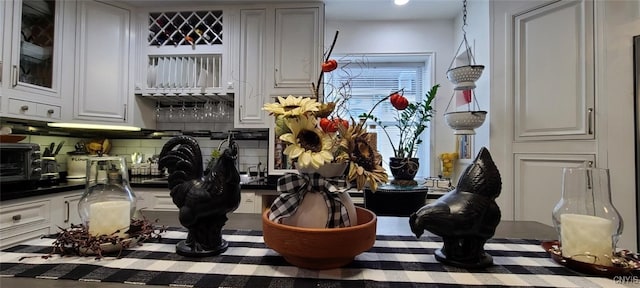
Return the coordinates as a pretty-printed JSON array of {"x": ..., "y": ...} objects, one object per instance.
[
  {"x": 553, "y": 72},
  {"x": 538, "y": 183}
]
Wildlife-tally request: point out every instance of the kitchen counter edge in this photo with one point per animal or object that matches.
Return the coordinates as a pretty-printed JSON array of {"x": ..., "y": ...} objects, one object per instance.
[{"x": 11, "y": 194}]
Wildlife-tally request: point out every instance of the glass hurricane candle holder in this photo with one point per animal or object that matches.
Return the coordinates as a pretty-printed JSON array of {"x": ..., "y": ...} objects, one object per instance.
[
  {"x": 108, "y": 203},
  {"x": 587, "y": 222}
]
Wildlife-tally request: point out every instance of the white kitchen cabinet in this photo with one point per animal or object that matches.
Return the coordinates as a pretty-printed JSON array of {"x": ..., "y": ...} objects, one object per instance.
[
  {"x": 3, "y": 18},
  {"x": 154, "y": 199},
  {"x": 102, "y": 60},
  {"x": 251, "y": 95},
  {"x": 103, "y": 38},
  {"x": 248, "y": 202},
  {"x": 280, "y": 54},
  {"x": 298, "y": 47},
  {"x": 538, "y": 183},
  {"x": 21, "y": 220},
  {"x": 33, "y": 58},
  {"x": 548, "y": 120},
  {"x": 569, "y": 90},
  {"x": 70, "y": 209}
]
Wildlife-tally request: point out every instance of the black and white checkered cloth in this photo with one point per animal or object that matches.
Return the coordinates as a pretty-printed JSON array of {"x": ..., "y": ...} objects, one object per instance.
[
  {"x": 293, "y": 187},
  {"x": 394, "y": 261}
]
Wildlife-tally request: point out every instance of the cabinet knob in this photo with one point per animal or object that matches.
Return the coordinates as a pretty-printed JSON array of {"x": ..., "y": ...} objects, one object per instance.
[
  {"x": 590, "y": 121},
  {"x": 66, "y": 219},
  {"x": 16, "y": 217},
  {"x": 24, "y": 108},
  {"x": 50, "y": 111},
  {"x": 15, "y": 76}
]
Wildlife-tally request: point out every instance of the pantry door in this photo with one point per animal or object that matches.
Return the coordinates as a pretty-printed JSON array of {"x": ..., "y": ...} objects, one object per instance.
[{"x": 543, "y": 100}]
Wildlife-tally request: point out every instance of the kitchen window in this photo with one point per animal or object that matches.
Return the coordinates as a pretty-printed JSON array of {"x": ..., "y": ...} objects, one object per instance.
[{"x": 365, "y": 79}]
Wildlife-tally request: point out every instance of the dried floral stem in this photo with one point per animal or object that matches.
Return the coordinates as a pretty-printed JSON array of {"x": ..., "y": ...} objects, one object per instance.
[
  {"x": 370, "y": 116},
  {"x": 316, "y": 87},
  {"x": 76, "y": 240}
]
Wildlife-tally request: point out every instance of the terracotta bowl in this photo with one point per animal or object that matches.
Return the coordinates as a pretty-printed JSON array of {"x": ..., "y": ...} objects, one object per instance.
[{"x": 321, "y": 248}]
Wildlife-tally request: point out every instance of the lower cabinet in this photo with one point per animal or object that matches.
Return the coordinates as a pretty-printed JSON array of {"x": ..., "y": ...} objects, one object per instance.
[
  {"x": 538, "y": 183},
  {"x": 150, "y": 199},
  {"x": 32, "y": 217},
  {"x": 249, "y": 203},
  {"x": 70, "y": 210},
  {"x": 64, "y": 209},
  {"x": 23, "y": 220}
]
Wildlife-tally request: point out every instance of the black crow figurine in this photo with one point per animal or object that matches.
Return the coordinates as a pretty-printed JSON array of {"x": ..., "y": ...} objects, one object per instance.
[
  {"x": 465, "y": 217},
  {"x": 204, "y": 198}
]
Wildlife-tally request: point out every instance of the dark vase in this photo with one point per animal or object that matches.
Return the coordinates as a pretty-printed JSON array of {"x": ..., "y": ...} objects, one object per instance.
[{"x": 404, "y": 168}]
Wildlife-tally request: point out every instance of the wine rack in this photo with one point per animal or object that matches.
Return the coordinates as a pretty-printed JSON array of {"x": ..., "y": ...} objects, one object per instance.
[{"x": 185, "y": 28}]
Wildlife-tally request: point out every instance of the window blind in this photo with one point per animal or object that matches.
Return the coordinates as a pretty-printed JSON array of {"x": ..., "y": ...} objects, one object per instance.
[{"x": 364, "y": 83}]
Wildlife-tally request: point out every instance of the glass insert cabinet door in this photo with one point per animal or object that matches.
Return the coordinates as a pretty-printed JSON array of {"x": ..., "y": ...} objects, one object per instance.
[{"x": 34, "y": 38}]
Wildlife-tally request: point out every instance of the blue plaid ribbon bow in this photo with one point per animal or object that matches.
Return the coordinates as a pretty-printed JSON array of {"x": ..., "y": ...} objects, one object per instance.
[{"x": 293, "y": 187}]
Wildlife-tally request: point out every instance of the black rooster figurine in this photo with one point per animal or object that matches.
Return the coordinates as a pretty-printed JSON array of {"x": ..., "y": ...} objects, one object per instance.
[
  {"x": 204, "y": 199},
  {"x": 465, "y": 217}
]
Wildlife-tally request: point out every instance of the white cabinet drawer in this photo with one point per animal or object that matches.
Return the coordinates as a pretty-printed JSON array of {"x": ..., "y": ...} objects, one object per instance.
[
  {"x": 48, "y": 111},
  {"x": 149, "y": 200},
  {"x": 24, "y": 221},
  {"x": 31, "y": 213},
  {"x": 247, "y": 203},
  {"x": 33, "y": 109},
  {"x": 25, "y": 108}
]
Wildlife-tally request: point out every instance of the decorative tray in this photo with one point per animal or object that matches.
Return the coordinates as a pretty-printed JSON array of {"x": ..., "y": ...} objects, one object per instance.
[
  {"x": 11, "y": 138},
  {"x": 625, "y": 262}
]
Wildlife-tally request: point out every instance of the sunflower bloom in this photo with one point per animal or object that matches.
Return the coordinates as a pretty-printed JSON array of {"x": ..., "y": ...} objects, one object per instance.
[
  {"x": 365, "y": 166},
  {"x": 309, "y": 144},
  {"x": 292, "y": 106}
]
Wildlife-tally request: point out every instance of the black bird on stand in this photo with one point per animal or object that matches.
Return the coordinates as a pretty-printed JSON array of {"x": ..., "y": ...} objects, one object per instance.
[
  {"x": 204, "y": 198},
  {"x": 465, "y": 217}
]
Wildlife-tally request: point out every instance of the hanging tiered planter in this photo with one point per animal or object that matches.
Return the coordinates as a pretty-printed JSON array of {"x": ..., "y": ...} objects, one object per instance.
[{"x": 464, "y": 78}]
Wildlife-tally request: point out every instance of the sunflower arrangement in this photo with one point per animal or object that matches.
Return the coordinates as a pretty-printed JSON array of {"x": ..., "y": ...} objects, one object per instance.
[{"x": 314, "y": 137}]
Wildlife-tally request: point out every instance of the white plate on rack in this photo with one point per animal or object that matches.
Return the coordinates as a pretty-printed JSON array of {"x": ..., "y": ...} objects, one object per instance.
[{"x": 160, "y": 83}]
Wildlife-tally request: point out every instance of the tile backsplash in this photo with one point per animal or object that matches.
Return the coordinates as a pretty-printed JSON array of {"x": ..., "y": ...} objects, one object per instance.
[{"x": 251, "y": 151}]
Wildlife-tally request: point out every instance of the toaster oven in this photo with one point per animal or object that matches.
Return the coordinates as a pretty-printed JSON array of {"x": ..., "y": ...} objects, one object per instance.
[{"x": 20, "y": 162}]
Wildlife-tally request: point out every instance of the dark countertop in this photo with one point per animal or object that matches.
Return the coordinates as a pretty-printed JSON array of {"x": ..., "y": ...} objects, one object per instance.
[
  {"x": 16, "y": 192},
  {"x": 10, "y": 192}
]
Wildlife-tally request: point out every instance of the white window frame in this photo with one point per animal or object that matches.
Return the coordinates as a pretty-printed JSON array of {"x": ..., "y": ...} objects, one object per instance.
[{"x": 425, "y": 153}]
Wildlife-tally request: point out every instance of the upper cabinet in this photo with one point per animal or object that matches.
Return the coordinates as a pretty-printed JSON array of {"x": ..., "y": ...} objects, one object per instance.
[
  {"x": 252, "y": 59},
  {"x": 298, "y": 49},
  {"x": 103, "y": 58},
  {"x": 3, "y": 18},
  {"x": 32, "y": 59},
  {"x": 570, "y": 88},
  {"x": 281, "y": 48},
  {"x": 102, "y": 61}
]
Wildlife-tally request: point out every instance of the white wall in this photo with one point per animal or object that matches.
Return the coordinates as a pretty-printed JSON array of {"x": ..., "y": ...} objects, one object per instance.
[
  {"x": 616, "y": 24},
  {"x": 405, "y": 37}
]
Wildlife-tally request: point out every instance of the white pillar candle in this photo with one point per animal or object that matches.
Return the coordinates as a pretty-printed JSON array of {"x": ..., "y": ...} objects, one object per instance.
[
  {"x": 583, "y": 235},
  {"x": 108, "y": 217}
]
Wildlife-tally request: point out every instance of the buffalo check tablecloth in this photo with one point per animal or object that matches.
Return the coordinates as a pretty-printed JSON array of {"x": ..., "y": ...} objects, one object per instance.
[{"x": 394, "y": 261}]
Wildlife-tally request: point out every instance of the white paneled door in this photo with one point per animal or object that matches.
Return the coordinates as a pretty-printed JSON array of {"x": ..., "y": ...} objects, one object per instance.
[{"x": 543, "y": 95}]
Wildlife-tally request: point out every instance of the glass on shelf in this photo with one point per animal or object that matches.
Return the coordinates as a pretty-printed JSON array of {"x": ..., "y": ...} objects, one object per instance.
[{"x": 36, "y": 46}]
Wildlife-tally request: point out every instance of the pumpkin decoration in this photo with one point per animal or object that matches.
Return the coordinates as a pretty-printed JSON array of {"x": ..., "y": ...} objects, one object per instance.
[
  {"x": 329, "y": 65},
  {"x": 398, "y": 101}
]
